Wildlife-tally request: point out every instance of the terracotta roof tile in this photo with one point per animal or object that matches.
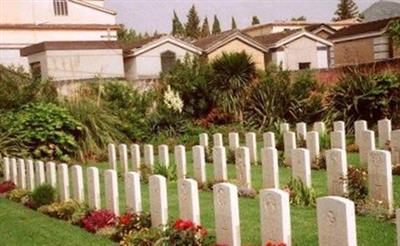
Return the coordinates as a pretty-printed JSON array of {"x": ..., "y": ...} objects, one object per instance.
[
  {"x": 140, "y": 43},
  {"x": 270, "y": 39},
  {"x": 207, "y": 42}
]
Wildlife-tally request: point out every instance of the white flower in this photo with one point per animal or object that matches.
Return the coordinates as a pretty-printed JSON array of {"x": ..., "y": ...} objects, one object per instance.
[{"x": 172, "y": 100}]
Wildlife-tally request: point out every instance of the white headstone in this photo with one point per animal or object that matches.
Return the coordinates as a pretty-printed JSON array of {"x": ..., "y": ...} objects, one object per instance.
[
  {"x": 398, "y": 226},
  {"x": 243, "y": 172},
  {"x": 14, "y": 171},
  {"x": 30, "y": 175},
  {"x": 111, "y": 186},
  {"x": 384, "y": 131},
  {"x": 339, "y": 126},
  {"x": 395, "y": 146},
  {"x": 269, "y": 140},
  {"x": 78, "y": 190},
  {"x": 199, "y": 164},
  {"x": 21, "y": 174},
  {"x": 359, "y": 125},
  {"x": 251, "y": 144},
  {"x": 203, "y": 140},
  {"x": 275, "y": 217},
  {"x": 226, "y": 212},
  {"x": 51, "y": 174},
  {"x": 289, "y": 142},
  {"x": 366, "y": 145},
  {"x": 123, "y": 157},
  {"x": 219, "y": 159},
  {"x": 163, "y": 155},
  {"x": 301, "y": 166},
  {"x": 63, "y": 182},
  {"x": 180, "y": 161},
  {"x": 336, "y": 221},
  {"x": 189, "y": 200},
  {"x": 135, "y": 152},
  {"x": 319, "y": 127},
  {"x": 217, "y": 140},
  {"x": 6, "y": 169},
  {"x": 336, "y": 170},
  {"x": 312, "y": 143},
  {"x": 301, "y": 131},
  {"x": 133, "y": 195},
  {"x": 380, "y": 180},
  {"x": 149, "y": 156},
  {"x": 93, "y": 187},
  {"x": 284, "y": 127},
  {"x": 40, "y": 176},
  {"x": 233, "y": 140},
  {"x": 112, "y": 156},
  {"x": 270, "y": 169},
  {"x": 338, "y": 140},
  {"x": 158, "y": 200}
]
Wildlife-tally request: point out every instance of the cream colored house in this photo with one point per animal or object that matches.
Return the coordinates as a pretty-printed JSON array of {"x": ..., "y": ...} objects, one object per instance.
[
  {"x": 23, "y": 23},
  {"x": 296, "y": 49},
  {"x": 147, "y": 58},
  {"x": 232, "y": 41}
]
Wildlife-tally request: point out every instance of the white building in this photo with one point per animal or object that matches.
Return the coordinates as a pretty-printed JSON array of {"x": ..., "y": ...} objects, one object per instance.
[{"x": 23, "y": 23}]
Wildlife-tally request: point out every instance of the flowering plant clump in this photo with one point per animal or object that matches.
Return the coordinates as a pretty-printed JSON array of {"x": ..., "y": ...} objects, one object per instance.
[
  {"x": 6, "y": 186},
  {"x": 275, "y": 244},
  {"x": 130, "y": 222},
  {"x": 172, "y": 100},
  {"x": 185, "y": 232},
  {"x": 99, "y": 219}
]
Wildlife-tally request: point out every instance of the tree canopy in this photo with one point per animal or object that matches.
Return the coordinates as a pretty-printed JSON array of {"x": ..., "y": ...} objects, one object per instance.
[{"x": 346, "y": 9}]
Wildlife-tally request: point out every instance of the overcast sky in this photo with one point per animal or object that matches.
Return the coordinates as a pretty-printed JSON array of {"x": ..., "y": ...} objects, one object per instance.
[{"x": 151, "y": 15}]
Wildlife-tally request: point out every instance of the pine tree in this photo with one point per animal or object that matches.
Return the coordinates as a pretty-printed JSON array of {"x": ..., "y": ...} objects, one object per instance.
[
  {"x": 216, "y": 28},
  {"x": 177, "y": 27},
  {"x": 255, "y": 20},
  {"x": 234, "y": 26},
  {"x": 193, "y": 23},
  {"x": 205, "y": 29},
  {"x": 346, "y": 9}
]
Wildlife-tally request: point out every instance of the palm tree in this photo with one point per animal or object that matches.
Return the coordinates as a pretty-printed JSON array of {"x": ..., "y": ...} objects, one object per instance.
[{"x": 233, "y": 77}]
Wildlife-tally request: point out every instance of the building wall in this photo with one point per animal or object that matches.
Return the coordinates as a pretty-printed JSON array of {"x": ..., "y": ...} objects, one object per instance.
[
  {"x": 239, "y": 46},
  {"x": 61, "y": 65},
  {"x": 148, "y": 64},
  {"x": 41, "y": 12},
  {"x": 354, "y": 51}
]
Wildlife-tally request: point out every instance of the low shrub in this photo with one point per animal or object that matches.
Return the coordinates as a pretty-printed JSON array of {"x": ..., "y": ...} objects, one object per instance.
[
  {"x": 169, "y": 172},
  {"x": 61, "y": 210},
  {"x": 185, "y": 232},
  {"x": 18, "y": 195},
  {"x": 79, "y": 214},
  {"x": 396, "y": 169},
  {"x": 144, "y": 237},
  {"x": 352, "y": 148},
  {"x": 320, "y": 162},
  {"x": 374, "y": 208},
  {"x": 300, "y": 194},
  {"x": 357, "y": 184},
  {"x": 42, "y": 195},
  {"x": 130, "y": 222},
  {"x": 108, "y": 232},
  {"x": 249, "y": 193},
  {"x": 7, "y": 186},
  {"x": 99, "y": 219},
  {"x": 275, "y": 244}
]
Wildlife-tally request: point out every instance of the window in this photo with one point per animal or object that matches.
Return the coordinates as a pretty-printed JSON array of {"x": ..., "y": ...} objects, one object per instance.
[
  {"x": 36, "y": 70},
  {"x": 60, "y": 7},
  {"x": 167, "y": 60},
  {"x": 382, "y": 48},
  {"x": 304, "y": 65}
]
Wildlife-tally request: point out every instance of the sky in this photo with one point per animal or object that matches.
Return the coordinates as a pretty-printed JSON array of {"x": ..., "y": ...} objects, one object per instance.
[{"x": 152, "y": 15}]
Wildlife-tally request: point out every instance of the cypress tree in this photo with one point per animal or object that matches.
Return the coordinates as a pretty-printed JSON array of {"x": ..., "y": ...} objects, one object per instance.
[
  {"x": 216, "y": 28},
  {"x": 177, "y": 27},
  {"x": 205, "y": 29},
  {"x": 234, "y": 26},
  {"x": 255, "y": 20},
  {"x": 193, "y": 23},
  {"x": 346, "y": 9}
]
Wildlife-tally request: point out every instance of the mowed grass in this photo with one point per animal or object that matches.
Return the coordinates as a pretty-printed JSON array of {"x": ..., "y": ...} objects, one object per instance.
[{"x": 370, "y": 231}]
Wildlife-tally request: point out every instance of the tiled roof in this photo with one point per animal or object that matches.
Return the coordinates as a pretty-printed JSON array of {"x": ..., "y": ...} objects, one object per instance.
[
  {"x": 140, "y": 43},
  {"x": 373, "y": 26},
  {"x": 314, "y": 27},
  {"x": 271, "y": 39},
  {"x": 207, "y": 42}
]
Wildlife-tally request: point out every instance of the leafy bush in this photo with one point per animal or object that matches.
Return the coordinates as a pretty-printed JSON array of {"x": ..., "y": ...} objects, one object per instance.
[
  {"x": 357, "y": 184},
  {"x": 46, "y": 129},
  {"x": 144, "y": 237},
  {"x": 17, "y": 195},
  {"x": 61, "y": 210},
  {"x": 300, "y": 194},
  {"x": 169, "y": 172},
  {"x": 129, "y": 222},
  {"x": 7, "y": 186},
  {"x": 99, "y": 219},
  {"x": 185, "y": 232},
  {"x": 366, "y": 96},
  {"x": 42, "y": 195}
]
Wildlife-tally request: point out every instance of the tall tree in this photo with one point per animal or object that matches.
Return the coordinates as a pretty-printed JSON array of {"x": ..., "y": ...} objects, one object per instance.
[
  {"x": 346, "y": 9},
  {"x": 255, "y": 20},
  {"x": 177, "y": 27},
  {"x": 216, "y": 28},
  {"x": 205, "y": 29},
  {"x": 234, "y": 26},
  {"x": 127, "y": 35},
  {"x": 193, "y": 23}
]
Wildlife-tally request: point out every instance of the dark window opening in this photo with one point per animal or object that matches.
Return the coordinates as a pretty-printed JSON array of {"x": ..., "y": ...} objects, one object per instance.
[
  {"x": 168, "y": 59},
  {"x": 60, "y": 7},
  {"x": 36, "y": 70},
  {"x": 304, "y": 65}
]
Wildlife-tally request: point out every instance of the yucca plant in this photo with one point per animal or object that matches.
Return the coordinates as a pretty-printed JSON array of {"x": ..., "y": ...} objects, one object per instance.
[
  {"x": 233, "y": 79},
  {"x": 300, "y": 194}
]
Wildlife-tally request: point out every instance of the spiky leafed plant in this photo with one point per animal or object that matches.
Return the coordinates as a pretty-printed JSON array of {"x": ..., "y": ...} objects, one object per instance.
[{"x": 233, "y": 78}]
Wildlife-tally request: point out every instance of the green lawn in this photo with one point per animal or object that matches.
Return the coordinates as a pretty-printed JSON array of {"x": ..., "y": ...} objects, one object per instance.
[{"x": 370, "y": 231}]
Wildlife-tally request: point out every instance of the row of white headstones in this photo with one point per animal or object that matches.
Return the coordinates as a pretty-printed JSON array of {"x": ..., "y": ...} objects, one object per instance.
[{"x": 334, "y": 212}]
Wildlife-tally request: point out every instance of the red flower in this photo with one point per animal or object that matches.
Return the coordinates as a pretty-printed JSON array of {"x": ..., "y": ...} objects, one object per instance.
[
  {"x": 125, "y": 219},
  {"x": 275, "y": 244},
  {"x": 184, "y": 225},
  {"x": 98, "y": 219},
  {"x": 6, "y": 186}
]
